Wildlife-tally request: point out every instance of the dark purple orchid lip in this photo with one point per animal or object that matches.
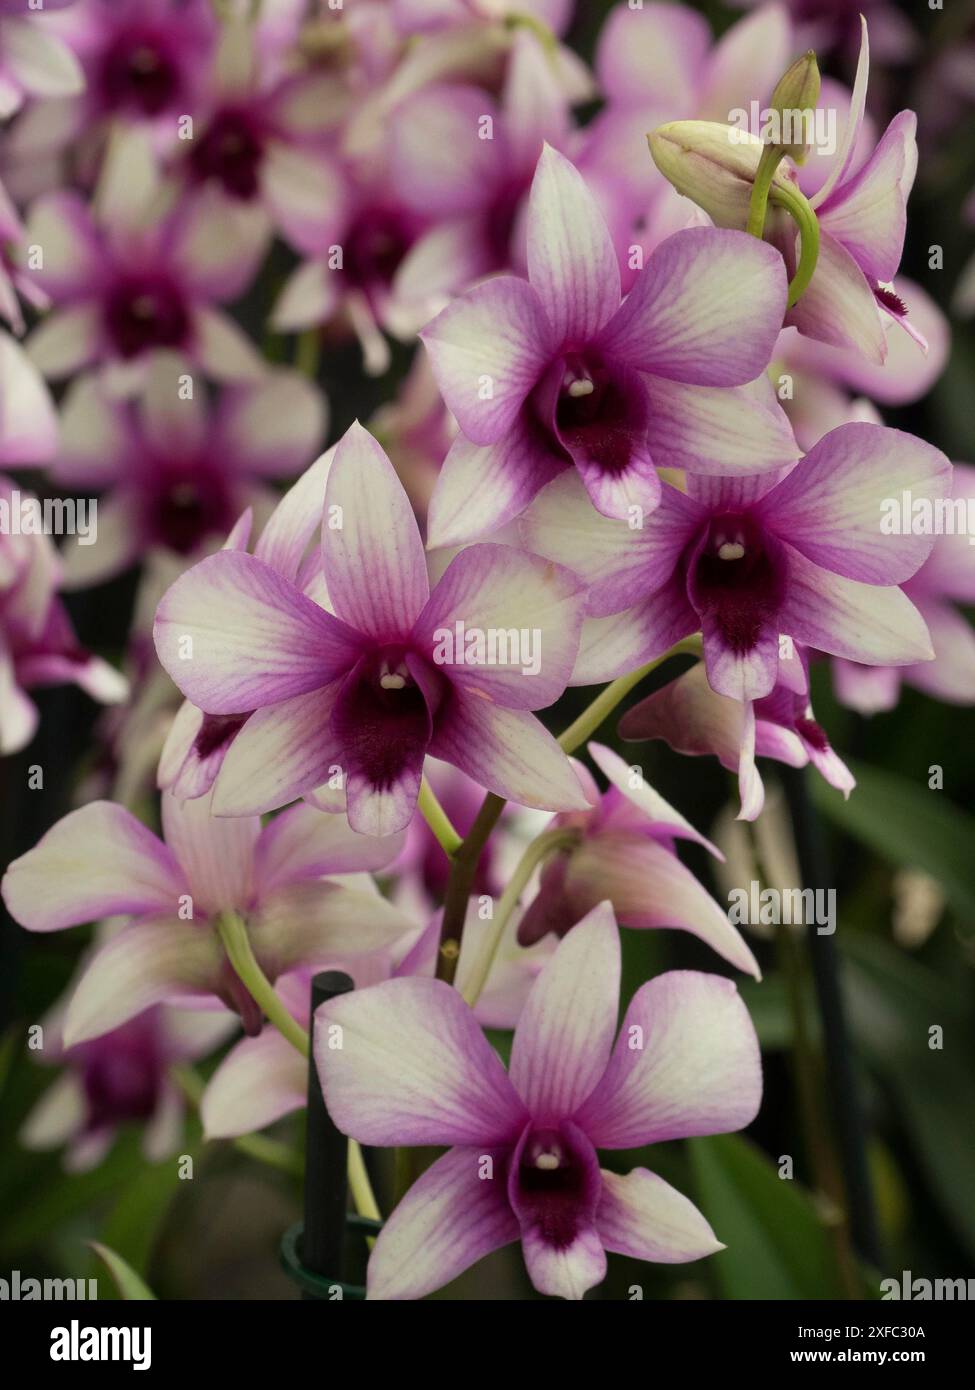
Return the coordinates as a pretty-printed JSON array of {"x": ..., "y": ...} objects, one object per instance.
[
  {"x": 735, "y": 578},
  {"x": 122, "y": 1074},
  {"x": 183, "y": 509},
  {"x": 553, "y": 1182},
  {"x": 230, "y": 150},
  {"x": 383, "y": 716},
  {"x": 139, "y": 71},
  {"x": 144, "y": 311},
  {"x": 591, "y": 410}
]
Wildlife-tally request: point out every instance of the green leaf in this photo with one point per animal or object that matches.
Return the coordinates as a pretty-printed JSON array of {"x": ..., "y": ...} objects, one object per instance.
[
  {"x": 907, "y": 824},
  {"x": 777, "y": 1245},
  {"x": 129, "y": 1285}
]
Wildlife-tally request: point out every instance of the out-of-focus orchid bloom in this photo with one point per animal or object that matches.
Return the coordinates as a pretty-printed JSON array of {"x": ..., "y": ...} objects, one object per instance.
[
  {"x": 118, "y": 1079},
  {"x": 693, "y": 719},
  {"x": 349, "y": 702},
  {"x": 34, "y": 60},
  {"x": 14, "y": 280},
  {"x": 554, "y": 373},
  {"x": 946, "y": 578},
  {"x": 127, "y": 278},
  {"x": 28, "y": 419},
  {"x": 414, "y": 1068},
  {"x": 100, "y": 861},
  {"x": 428, "y": 16},
  {"x": 801, "y": 554},
  {"x": 179, "y": 471},
  {"x": 625, "y": 853},
  {"x": 416, "y": 430},
  {"x": 37, "y": 644}
]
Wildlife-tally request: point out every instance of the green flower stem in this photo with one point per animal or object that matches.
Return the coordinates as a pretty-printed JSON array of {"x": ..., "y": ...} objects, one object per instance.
[
  {"x": 464, "y": 859},
  {"x": 237, "y": 944},
  {"x": 758, "y": 203},
  {"x": 308, "y": 353},
  {"x": 545, "y": 844},
  {"x": 606, "y": 701},
  {"x": 805, "y": 219},
  {"x": 437, "y": 819}
]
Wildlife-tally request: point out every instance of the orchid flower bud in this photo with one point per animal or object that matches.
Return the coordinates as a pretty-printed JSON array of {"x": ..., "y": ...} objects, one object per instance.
[
  {"x": 793, "y": 108},
  {"x": 714, "y": 165}
]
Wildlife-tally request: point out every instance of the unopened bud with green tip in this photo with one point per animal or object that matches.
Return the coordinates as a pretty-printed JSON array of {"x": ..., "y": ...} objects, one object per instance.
[
  {"x": 793, "y": 108},
  {"x": 714, "y": 165}
]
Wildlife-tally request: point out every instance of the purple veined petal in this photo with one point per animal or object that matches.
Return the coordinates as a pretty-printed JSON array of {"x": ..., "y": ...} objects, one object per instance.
[
  {"x": 311, "y": 295},
  {"x": 28, "y": 420},
  {"x": 534, "y": 103},
  {"x": 747, "y": 61},
  {"x": 448, "y": 1220},
  {"x": 868, "y": 214},
  {"x": 572, "y": 263},
  {"x": 734, "y": 492},
  {"x": 554, "y": 1185},
  {"x": 838, "y": 305},
  {"x": 717, "y": 430},
  {"x": 482, "y": 487},
  {"x": 215, "y": 853},
  {"x": 447, "y": 150},
  {"x": 404, "y": 1062},
  {"x": 740, "y": 672},
  {"x": 96, "y": 862},
  {"x": 843, "y": 161},
  {"x": 304, "y": 843},
  {"x": 832, "y": 506},
  {"x": 295, "y": 520},
  {"x": 659, "y": 815},
  {"x": 371, "y": 548},
  {"x": 653, "y": 54},
  {"x": 693, "y": 719},
  {"x": 950, "y": 568},
  {"x": 706, "y": 309},
  {"x": 649, "y": 887},
  {"x": 487, "y": 351},
  {"x": 686, "y": 1063},
  {"x": 223, "y": 348},
  {"x": 612, "y": 646},
  {"x": 620, "y": 563},
  {"x": 260, "y": 1080},
  {"x": 503, "y": 625},
  {"x": 507, "y": 751},
  {"x": 279, "y": 754},
  {"x": 642, "y": 1216},
  {"x": 869, "y": 689},
  {"x": 306, "y": 194},
  {"x": 831, "y": 766},
  {"x": 877, "y": 625},
  {"x": 318, "y": 924},
  {"x": 274, "y": 427},
  {"x": 66, "y": 340},
  {"x": 565, "y": 1032},
  {"x": 62, "y": 224},
  {"x": 253, "y": 638},
  {"x": 951, "y": 675},
  {"x": 143, "y": 965}
]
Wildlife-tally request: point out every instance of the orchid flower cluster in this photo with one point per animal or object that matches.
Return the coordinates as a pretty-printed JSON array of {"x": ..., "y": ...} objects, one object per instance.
[{"x": 641, "y": 421}]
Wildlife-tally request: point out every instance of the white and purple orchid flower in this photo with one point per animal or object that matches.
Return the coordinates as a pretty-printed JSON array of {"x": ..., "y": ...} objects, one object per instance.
[
  {"x": 625, "y": 854},
  {"x": 178, "y": 471},
  {"x": 556, "y": 373},
  {"x": 799, "y": 555},
  {"x": 35, "y": 62},
  {"x": 126, "y": 280},
  {"x": 345, "y": 704},
  {"x": 100, "y": 862},
  {"x": 405, "y": 1063}
]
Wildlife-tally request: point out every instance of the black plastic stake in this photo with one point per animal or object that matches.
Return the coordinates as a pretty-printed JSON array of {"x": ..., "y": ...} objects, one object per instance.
[
  {"x": 840, "y": 1057},
  {"x": 326, "y": 1157}
]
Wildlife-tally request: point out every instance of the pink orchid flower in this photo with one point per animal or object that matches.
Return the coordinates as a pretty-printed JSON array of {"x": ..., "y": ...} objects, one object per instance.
[
  {"x": 405, "y": 1063},
  {"x": 356, "y": 697},
  {"x": 28, "y": 419},
  {"x": 38, "y": 646},
  {"x": 118, "y": 1079},
  {"x": 693, "y": 719},
  {"x": 625, "y": 853},
  {"x": 100, "y": 861},
  {"x": 126, "y": 281},
  {"x": 177, "y": 470},
  {"x": 799, "y": 554},
  {"x": 555, "y": 373}
]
